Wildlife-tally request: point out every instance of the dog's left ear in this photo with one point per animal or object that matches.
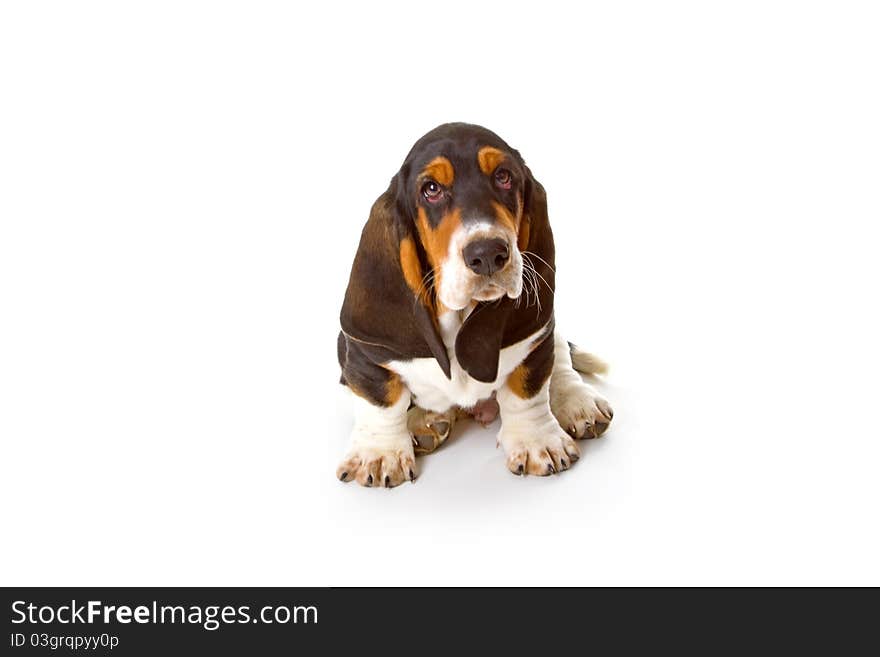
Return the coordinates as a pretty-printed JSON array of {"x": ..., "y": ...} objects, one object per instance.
[
  {"x": 385, "y": 306},
  {"x": 498, "y": 324}
]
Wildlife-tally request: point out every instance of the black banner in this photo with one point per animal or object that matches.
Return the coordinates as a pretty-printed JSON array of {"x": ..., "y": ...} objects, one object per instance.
[{"x": 170, "y": 621}]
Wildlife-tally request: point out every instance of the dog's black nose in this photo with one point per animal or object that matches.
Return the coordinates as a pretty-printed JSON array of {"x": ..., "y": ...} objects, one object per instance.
[{"x": 485, "y": 257}]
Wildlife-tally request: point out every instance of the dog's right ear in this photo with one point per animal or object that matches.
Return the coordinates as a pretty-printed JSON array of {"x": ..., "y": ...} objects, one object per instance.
[
  {"x": 497, "y": 324},
  {"x": 387, "y": 304}
]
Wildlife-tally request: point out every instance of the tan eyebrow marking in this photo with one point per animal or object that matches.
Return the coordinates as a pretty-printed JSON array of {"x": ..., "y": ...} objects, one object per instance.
[
  {"x": 441, "y": 170},
  {"x": 489, "y": 158}
]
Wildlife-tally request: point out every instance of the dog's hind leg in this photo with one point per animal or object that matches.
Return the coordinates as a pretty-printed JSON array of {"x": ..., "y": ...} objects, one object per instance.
[
  {"x": 581, "y": 411},
  {"x": 429, "y": 429}
]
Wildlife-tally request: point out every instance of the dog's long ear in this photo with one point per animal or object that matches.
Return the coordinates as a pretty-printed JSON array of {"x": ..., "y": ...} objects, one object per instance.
[
  {"x": 385, "y": 303},
  {"x": 539, "y": 260},
  {"x": 497, "y": 324}
]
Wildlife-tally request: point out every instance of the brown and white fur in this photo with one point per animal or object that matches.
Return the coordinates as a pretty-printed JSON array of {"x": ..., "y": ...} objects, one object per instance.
[{"x": 450, "y": 306}]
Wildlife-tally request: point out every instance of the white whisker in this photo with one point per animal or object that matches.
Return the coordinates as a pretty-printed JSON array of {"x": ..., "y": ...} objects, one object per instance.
[
  {"x": 426, "y": 286},
  {"x": 531, "y": 275},
  {"x": 541, "y": 259}
]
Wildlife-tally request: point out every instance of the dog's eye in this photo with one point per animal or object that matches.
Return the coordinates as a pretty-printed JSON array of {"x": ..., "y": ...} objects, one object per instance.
[
  {"x": 503, "y": 178},
  {"x": 432, "y": 191}
]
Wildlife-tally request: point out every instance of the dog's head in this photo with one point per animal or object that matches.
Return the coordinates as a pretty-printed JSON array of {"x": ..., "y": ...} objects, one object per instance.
[
  {"x": 463, "y": 190},
  {"x": 463, "y": 224}
]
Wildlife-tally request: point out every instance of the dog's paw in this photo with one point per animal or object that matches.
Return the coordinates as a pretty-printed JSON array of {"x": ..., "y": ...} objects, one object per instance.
[
  {"x": 548, "y": 452},
  {"x": 580, "y": 411},
  {"x": 382, "y": 467},
  {"x": 429, "y": 430}
]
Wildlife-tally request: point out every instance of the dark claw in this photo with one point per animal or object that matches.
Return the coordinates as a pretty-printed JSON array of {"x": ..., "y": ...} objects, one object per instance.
[
  {"x": 412, "y": 475},
  {"x": 564, "y": 463},
  {"x": 600, "y": 428},
  {"x": 387, "y": 481},
  {"x": 521, "y": 468},
  {"x": 574, "y": 457},
  {"x": 370, "y": 480},
  {"x": 343, "y": 476},
  {"x": 550, "y": 468}
]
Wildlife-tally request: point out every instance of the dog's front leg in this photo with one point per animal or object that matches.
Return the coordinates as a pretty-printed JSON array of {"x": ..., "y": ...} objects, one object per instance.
[
  {"x": 531, "y": 436},
  {"x": 381, "y": 452}
]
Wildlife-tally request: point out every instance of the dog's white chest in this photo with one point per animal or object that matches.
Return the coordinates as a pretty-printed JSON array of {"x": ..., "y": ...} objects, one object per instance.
[{"x": 431, "y": 389}]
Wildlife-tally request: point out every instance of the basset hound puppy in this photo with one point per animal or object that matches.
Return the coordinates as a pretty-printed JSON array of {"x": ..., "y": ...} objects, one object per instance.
[{"x": 449, "y": 309}]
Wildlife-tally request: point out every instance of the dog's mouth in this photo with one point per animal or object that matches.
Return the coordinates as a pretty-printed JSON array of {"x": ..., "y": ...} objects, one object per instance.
[
  {"x": 490, "y": 292},
  {"x": 507, "y": 282}
]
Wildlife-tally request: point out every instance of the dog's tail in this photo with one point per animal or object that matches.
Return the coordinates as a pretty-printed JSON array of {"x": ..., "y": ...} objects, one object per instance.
[{"x": 585, "y": 362}]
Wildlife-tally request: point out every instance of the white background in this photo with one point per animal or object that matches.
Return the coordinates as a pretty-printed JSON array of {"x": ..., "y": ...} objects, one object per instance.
[{"x": 182, "y": 187}]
